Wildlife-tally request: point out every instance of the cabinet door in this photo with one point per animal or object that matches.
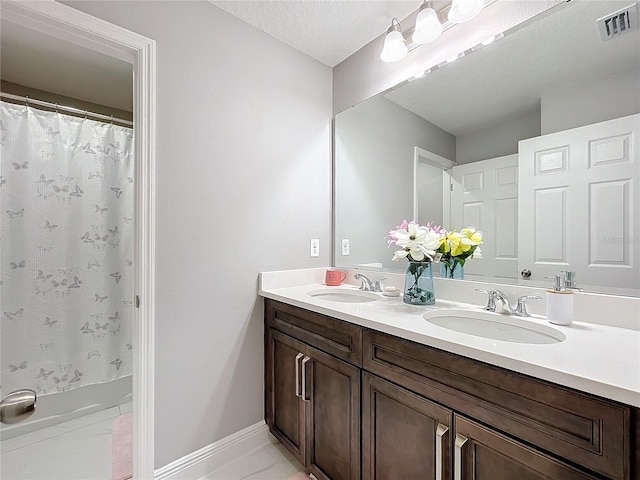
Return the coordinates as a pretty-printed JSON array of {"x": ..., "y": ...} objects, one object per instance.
[
  {"x": 332, "y": 392},
  {"x": 484, "y": 454},
  {"x": 404, "y": 436},
  {"x": 283, "y": 391}
]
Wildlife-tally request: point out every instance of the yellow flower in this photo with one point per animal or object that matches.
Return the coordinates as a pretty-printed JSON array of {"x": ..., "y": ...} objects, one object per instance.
[
  {"x": 456, "y": 244},
  {"x": 472, "y": 236}
]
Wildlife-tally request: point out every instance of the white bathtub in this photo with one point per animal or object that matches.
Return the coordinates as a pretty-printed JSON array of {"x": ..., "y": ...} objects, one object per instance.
[{"x": 60, "y": 407}]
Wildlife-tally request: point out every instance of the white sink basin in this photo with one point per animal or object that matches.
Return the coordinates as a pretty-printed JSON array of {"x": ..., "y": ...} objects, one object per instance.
[
  {"x": 344, "y": 295},
  {"x": 496, "y": 326}
]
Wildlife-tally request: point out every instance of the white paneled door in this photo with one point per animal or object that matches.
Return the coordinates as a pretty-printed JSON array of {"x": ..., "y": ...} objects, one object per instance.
[
  {"x": 579, "y": 204},
  {"x": 485, "y": 196}
]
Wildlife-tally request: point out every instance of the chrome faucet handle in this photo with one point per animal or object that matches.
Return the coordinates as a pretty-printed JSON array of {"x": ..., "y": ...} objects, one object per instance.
[
  {"x": 365, "y": 282},
  {"x": 521, "y": 308},
  {"x": 491, "y": 301},
  {"x": 377, "y": 287},
  {"x": 504, "y": 300}
]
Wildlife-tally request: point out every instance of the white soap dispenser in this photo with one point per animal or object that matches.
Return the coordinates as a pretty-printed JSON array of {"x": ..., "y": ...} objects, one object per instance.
[{"x": 559, "y": 303}]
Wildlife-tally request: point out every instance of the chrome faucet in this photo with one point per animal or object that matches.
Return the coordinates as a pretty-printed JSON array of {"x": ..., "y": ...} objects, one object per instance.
[
  {"x": 519, "y": 311},
  {"x": 367, "y": 285}
]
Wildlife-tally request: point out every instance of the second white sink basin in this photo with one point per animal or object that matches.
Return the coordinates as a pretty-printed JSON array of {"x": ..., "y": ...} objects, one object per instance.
[
  {"x": 344, "y": 295},
  {"x": 496, "y": 326}
]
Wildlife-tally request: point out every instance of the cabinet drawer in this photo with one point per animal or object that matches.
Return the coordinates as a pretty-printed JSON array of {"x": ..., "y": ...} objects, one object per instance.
[
  {"x": 483, "y": 454},
  {"x": 584, "y": 429},
  {"x": 336, "y": 337}
]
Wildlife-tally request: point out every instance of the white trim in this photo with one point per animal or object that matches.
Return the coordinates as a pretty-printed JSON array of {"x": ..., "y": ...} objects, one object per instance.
[
  {"x": 432, "y": 158},
  {"x": 201, "y": 462},
  {"x": 61, "y": 21},
  {"x": 425, "y": 156}
]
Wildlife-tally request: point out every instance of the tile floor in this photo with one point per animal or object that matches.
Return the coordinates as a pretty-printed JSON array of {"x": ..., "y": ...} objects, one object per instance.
[
  {"x": 269, "y": 462},
  {"x": 79, "y": 449}
]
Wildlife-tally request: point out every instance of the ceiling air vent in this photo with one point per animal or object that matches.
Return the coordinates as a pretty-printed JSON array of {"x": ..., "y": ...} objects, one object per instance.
[{"x": 619, "y": 22}]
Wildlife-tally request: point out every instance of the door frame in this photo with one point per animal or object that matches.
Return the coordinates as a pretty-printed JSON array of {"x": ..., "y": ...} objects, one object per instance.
[
  {"x": 64, "y": 22},
  {"x": 420, "y": 155}
]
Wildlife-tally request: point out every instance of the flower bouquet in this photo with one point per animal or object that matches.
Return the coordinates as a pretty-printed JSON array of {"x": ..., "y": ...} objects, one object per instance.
[
  {"x": 456, "y": 247},
  {"x": 418, "y": 244}
]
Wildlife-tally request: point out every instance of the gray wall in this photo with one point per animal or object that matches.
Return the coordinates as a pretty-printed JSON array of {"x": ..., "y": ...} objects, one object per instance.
[
  {"x": 374, "y": 174},
  {"x": 497, "y": 140},
  {"x": 573, "y": 106},
  {"x": 243, "y": 183}
]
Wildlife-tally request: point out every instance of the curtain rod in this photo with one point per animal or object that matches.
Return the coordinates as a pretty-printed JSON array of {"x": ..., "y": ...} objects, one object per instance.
[{"x": 56, "y": 106}]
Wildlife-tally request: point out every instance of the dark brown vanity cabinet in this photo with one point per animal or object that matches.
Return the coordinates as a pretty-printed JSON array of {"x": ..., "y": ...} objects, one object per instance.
[
  {"x": 404, "y": 435},
  {"x": 354, "y": 403},
  {"x": 313, "y": 398}
]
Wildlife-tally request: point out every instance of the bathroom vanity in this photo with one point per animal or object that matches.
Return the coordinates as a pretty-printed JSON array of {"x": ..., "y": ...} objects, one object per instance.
[{"x": 351, "y": 401}]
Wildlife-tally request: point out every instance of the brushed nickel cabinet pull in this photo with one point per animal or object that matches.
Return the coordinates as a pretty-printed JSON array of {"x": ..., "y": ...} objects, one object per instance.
[
  {"x": 440, "y": 431},
  {"x": 457, "y": 468},
  {"x": 304, "y": 378},
  {"x": 298, "y": 357}
]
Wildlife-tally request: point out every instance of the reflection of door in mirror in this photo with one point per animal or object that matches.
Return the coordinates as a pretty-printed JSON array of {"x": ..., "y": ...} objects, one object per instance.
[
  {"x": 578, "y": 204},
  {"x": 485, "y": 196},
  {"x": 432, "y": 184}
]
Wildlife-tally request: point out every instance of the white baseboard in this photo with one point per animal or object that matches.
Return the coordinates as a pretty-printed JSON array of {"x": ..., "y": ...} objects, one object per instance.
[{"x": 201, "y": 462}]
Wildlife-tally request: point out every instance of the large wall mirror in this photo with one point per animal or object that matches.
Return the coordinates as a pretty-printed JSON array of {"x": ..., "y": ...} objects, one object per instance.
[{"x": 533, "y": 139}]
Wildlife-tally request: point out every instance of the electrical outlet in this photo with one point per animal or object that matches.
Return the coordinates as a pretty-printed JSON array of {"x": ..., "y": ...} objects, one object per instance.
[
  {"x": 345, "y": 247},
  {"x": 315, "y": 247}
]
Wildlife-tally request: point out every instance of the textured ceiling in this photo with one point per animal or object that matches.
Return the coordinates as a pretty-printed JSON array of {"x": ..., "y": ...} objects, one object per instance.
[
  {"x": 326, "y": 30},
  {"x": 555, "y": 50}
]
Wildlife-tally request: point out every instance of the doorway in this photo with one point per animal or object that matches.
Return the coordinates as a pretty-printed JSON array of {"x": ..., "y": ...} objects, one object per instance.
[{"x": 62, "y": 22}]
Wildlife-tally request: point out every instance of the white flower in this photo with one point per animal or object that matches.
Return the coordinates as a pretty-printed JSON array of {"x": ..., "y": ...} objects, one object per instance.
[{"x": 416, "y": 242}]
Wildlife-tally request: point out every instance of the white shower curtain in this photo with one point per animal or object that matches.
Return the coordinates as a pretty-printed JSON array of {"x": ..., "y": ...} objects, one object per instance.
[{"x": 66, "y": 236}]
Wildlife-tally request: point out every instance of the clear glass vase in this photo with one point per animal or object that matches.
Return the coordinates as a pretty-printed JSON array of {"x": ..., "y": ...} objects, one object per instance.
[
  {"x": 454, "y": 269},
  {"x": 418, "y": 284}
]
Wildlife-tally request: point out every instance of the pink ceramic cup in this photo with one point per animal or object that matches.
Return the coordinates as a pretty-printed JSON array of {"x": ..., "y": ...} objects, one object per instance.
[{"x": 333, "y": 278}]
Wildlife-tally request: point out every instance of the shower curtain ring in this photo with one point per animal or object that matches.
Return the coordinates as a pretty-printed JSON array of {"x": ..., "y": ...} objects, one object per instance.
[
  {"x": 26, "y": 100},
  {"x": 111, "y": 119}
]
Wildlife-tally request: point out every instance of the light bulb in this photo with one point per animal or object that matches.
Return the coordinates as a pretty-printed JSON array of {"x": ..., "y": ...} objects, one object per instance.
[
  {"x": 428, "y": 27},
  {"x": 464, "y": 10},
  {"x": 394, "y": 48}
]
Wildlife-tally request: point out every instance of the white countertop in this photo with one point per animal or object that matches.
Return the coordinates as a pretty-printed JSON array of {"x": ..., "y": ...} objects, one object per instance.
[{"x": 594, "y": 358}]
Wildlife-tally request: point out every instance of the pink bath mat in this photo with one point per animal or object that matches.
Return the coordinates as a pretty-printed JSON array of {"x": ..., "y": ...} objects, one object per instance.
[{"x": 122, "y": 447}]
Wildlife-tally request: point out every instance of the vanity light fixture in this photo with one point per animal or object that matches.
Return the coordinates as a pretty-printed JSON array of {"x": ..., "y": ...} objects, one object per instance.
[
  {"x": 428, "y": 26},
  {"x": 464, "y": 10},
  {"x": 394, "y": 48}
]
